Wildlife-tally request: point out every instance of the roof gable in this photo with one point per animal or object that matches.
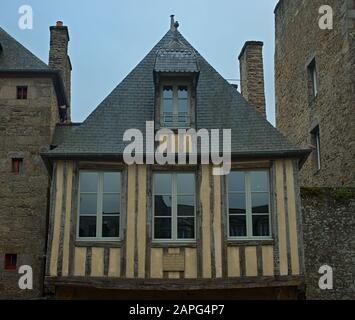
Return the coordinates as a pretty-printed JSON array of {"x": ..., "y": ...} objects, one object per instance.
[
  {"x": 131, "y": 104},
  {"x": 15, "y": 57}
]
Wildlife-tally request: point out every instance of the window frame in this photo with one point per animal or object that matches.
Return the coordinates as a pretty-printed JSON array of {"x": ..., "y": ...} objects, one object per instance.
[
  {"x": 313, "y": 79},
  {"x": 248, "y": 206},
  {"x": 21, "y": 92},
  {"x": 175, "y": 84},
  {"x": 174, "y": 217},
  {"x": 17, "y": 166},
  {"x": 315, "y": 133},
  {"x": 10, "y": 266},
  {"x": 99, "y": 207}
]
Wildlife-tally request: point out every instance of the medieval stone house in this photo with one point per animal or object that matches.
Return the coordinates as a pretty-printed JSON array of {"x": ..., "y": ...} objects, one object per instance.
[
  {"x": 33, "y": 99},
  {"x": 315, "y": 100},
  {"x": 147, "y": 230}
]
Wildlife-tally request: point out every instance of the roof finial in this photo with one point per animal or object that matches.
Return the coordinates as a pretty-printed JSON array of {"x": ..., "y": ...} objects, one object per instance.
[{"x": 172, "y": 22}]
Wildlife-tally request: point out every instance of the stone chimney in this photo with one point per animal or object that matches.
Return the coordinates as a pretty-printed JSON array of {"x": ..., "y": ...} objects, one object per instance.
[
  {"x": 252, "y": 75},
  {"x": 58, "y": 57}
]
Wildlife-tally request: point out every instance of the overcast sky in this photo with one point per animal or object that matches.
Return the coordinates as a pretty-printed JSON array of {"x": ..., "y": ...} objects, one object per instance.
[{"x": 108, "y": 38}]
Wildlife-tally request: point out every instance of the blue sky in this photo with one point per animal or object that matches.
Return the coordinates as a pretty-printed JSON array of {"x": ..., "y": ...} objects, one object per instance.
[{"x": 108, "y": 38}]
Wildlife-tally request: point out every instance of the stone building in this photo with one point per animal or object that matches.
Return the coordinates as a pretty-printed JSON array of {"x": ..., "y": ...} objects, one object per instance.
[
  {"x": 315, "y": 106},
  {"x": 315, "y": 87},
  {"x": 148, "y": 230},
  {"x": 34, "y": 97},
  {"x": 116, "y": 230}
]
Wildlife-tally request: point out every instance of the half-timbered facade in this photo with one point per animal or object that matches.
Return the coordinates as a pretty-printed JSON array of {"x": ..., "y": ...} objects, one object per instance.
[{"x": 152, "y": 230}]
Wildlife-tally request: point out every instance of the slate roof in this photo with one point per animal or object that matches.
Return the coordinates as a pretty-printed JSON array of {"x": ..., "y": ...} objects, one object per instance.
[
  {"x": 63, "y": 131},
  {"x": 176, "y": 57},
  {"x": 15, "y": 57},
  {"x": 219, "y": 106}
]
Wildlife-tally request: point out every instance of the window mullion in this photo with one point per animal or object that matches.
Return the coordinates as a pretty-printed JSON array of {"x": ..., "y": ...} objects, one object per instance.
[
  {"x": 248, "y": 204},
  {"x": 175, "y": 104},
  {"x": 99, "y": 205},
  {"x": 174, "y": 207}
]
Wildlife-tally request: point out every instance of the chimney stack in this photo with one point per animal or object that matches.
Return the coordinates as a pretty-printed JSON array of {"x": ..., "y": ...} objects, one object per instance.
[
  {"x": 172, "y": 22},
  {"x": 252, "y": 75},
  {"x": 58, "y": 57}
]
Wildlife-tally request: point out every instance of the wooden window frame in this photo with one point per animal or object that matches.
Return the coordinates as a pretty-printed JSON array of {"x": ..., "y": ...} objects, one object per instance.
[
  {"x": 248, "y": 204},
  {"x": 99, "y": 209},
  {"x": 174, "y": 217},
  {"x": 175, "y": 84}
]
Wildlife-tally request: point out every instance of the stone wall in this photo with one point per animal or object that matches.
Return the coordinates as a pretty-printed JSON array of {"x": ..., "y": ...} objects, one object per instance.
[
  {"x": 252, "y": 74},
  {"x": 329, "y": 238},
  {"x": 26, "y": 128},
  {"x": 298, "y": 40}
]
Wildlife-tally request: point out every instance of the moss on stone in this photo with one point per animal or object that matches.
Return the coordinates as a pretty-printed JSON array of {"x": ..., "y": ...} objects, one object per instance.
[
  {"x": 312, "y": 192},
  {"x": 342, "y": 194},
  {"x": 339, "y": 194}
]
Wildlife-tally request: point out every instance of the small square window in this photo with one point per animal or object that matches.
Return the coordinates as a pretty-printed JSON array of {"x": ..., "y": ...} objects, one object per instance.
[
  {"x": 22, "y": 92},
  {"x": 17, "y": 164},
  {"x": 10, "y": 261}
]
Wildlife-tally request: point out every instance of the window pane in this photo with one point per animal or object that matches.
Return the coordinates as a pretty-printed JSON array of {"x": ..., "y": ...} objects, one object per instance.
[
  {"x": 112, "y": 182},
  {"x": 87, "y": 226},
  {"x": 162, "y": 183},
  {"x": 168, "y": 92},
  {"x": 162, "y": 228},
  {"x": 168, "y": 118},
  {"x": 186, "y": 205},
  {"x": 167, "y": 105},
  {"x": 237, "y": 226},
  {"x": 111, "y": 203},
  {"x": 162, "y": 206},
  {"x": 183, "y": 106},
  {"x": 236, "y": 181},
  {"x": 236, "y": 203},
  {"x": 88, "y": 204},
  {"x": 111, "y": 226},
  {"x": 186, "y": 183},
  {"x": 182, "y": 92},
  {"x": 261, "y": 226},
  {"x": 88, "y": 181},
  {"x": 259, "y": 181},
  {"x": 260, "y": 202},
  {"x": 186, "y": 228}
]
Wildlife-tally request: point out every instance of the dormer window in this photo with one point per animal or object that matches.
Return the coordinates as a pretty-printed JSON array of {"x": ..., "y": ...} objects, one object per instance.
[{"x": 175, "y": 106}]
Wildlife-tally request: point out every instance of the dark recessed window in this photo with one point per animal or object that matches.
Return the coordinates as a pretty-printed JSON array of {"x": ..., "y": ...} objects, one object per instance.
[
  {"x": 315, "y": 135},
  {"x": 313, "y": 79},
  {"x": 10, "y": 261},
  {"x": 22, "y": 92},
  {"x": 17, "y": 164}
]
